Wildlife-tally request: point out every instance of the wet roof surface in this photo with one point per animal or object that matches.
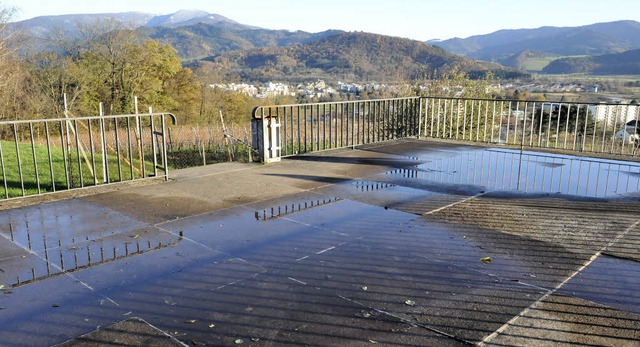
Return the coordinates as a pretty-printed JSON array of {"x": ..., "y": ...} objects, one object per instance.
[{"x": 406, "y": 243}]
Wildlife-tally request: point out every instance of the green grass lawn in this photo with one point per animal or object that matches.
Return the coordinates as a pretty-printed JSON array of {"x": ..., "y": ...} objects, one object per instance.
[{"x": 64, "y": 171}]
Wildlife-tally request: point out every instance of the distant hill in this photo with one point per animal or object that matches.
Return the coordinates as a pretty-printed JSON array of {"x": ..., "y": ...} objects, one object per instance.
[
  {"x": 595, "y": 39},
  {"x": 195, "y": 34},
  {"x": 626, "y": 63},
  {"x": 354, "y": 56},
  {"x": 202, "y": 39},
  {"x": 191, "y": 17},
  {"x": 529, "y": 60},
  {"x": 43, "y": 26}
]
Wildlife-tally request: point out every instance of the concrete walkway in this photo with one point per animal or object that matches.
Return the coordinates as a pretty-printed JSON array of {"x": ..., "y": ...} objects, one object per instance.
[{"x": 381, "y": 245}]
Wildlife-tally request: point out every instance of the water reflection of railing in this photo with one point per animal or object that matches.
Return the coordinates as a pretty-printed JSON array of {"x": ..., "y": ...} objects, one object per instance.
[
  {"x": 371, "y": 186},
  {"x": 529, "y": 172},
  {"x": 284, "y": 210},
  {"x": 87, "y": 260},
  {"x": 67, "y": 255}
]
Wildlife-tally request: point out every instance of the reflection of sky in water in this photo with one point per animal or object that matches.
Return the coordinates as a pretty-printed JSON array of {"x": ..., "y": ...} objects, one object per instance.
[{"x": 512, "y": 170}]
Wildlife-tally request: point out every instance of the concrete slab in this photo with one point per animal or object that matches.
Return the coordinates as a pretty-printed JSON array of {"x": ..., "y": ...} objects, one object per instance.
[
  {"x": 273, "y": 310},
  {"x": 567, "y": 321},
  {"x": 627, "y": 247},
  {"x": 48, "y": 312},
  {"x": 347, "y": 247},
  {"x": 236, "y": 185},
  {"x": 453, "y": 301},
  {"x": 581, "y": 225},
  {"x": 131, "y": 332}
]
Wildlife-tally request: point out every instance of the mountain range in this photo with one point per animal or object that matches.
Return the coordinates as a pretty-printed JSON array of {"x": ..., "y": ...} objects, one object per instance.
[
  {"x": 513, "y": 47},
  {"x": 42, "y": 26},
  {"x": 253, "y": 51},
  {"x": 193, "y": 33},
  {"x": 627, "y": 63},
  {"x": 601, "y": 38}
]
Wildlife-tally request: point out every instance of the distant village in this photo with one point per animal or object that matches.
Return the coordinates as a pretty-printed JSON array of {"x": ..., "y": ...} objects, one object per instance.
[
  {"x": 320, "y": 89},
  {"x": 314, "y": 90}
]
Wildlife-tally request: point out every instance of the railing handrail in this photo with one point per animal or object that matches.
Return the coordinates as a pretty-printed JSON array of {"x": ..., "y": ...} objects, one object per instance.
[
  {"x": 256, "y": 115},
  {"x": 154, "y": 114},
  {"x": 595, "y": 103},
  {"x": 255, "y": 110}
]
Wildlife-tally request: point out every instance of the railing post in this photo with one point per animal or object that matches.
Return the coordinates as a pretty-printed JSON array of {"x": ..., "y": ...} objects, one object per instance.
[
  {"x": 420, "y": 117},
  {"x": 165, "y": 160},
  {"x": 4, "y": 172},
  {"x": 154, "y": 147},
  {"x": 273, "y": 129},
  {"x": 266, "y": 135},
  {"x": 103, "y": 145}
]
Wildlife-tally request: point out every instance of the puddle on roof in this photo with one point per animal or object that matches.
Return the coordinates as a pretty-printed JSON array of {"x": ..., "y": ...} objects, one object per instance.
[
  {"x": 609, "y": 281},
  {"x": 67, "y": 236},
  {"x": 530, "y": 172}
]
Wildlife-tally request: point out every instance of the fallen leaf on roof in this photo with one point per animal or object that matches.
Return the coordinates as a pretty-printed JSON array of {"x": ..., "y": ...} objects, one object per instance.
[{"x": 486, "y": 260}]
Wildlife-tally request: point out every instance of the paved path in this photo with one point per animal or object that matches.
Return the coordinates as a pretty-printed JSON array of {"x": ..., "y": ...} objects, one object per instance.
[{"x": 381, "y": 245}]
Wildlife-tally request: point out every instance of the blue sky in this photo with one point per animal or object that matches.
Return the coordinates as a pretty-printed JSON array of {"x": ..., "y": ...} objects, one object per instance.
[{"x": 416, "y": 19}]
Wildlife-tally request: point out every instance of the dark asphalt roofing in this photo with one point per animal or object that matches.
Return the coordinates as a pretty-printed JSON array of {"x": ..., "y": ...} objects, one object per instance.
[{"x": 404, "y": 243}]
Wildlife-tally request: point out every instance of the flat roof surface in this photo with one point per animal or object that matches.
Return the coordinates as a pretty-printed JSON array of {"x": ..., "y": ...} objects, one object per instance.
[{"x": 408, "y": 242}]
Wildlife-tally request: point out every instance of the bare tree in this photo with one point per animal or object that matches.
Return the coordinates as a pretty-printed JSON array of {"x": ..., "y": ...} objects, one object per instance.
[
  {"x": 5, "y": 48},
  {"x": 13, "y": 74}
]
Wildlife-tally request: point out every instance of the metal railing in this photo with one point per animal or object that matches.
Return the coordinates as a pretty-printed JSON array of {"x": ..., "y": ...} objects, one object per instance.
[
  {"x": 41, "y": 156},
  {"x": 49, "y": 155},
  {"x": 582, "y": 127},
  {"x": 306, "y": 128}
]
